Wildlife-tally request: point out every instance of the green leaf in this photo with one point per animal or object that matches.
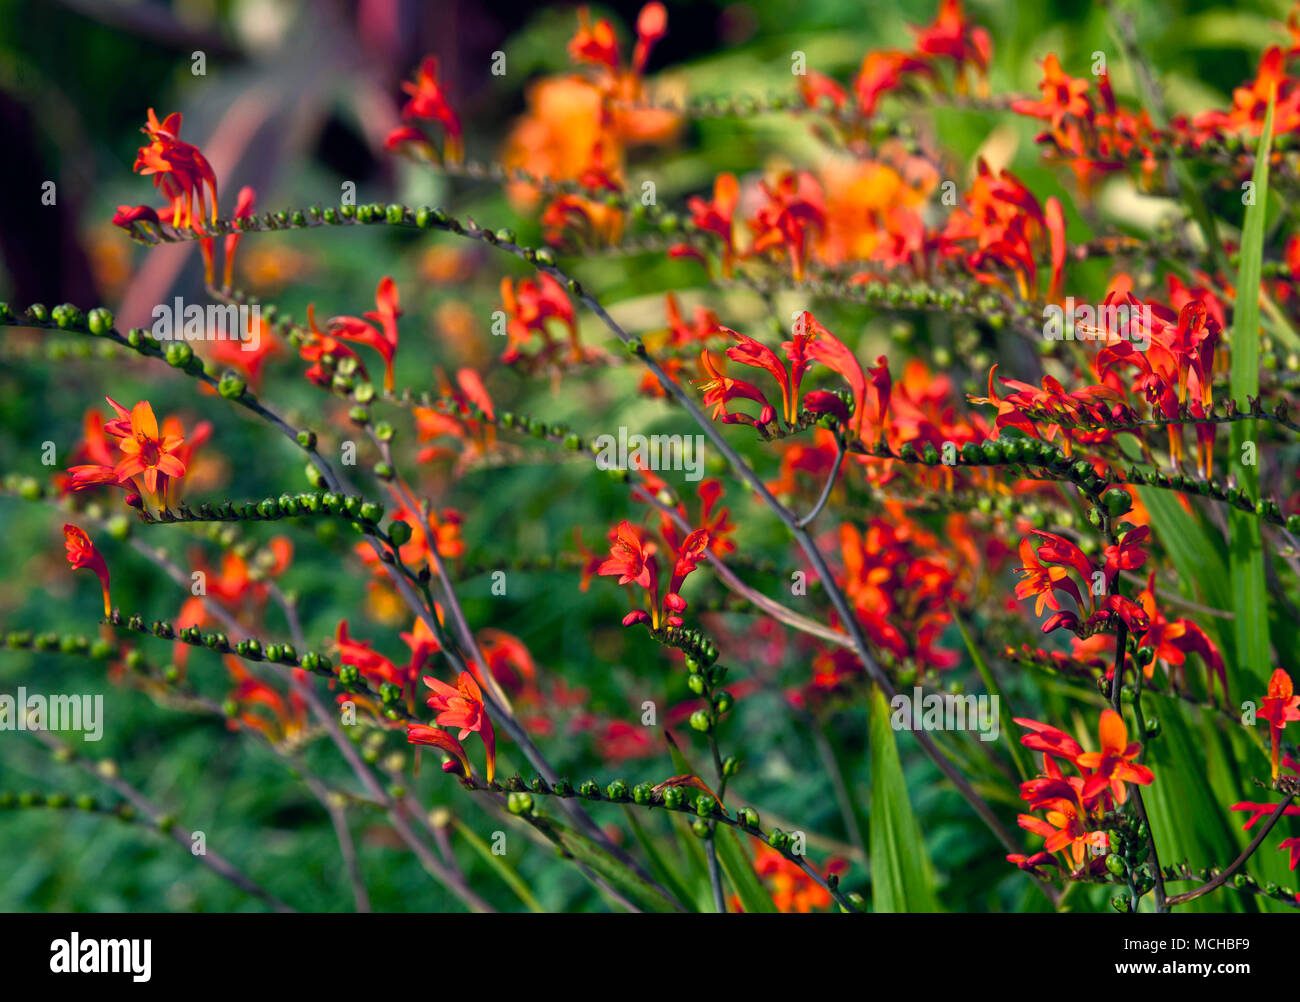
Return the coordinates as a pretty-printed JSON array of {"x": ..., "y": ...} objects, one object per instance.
[
  {"x": 498, "y": 863},
  {"x": 1186, "y": 815},
  {"x": 739, "y": 869},
  {"x": 664, "y": 873},
  {"x": 901, "y": 876},
  {"x": 1245, "y": 553},
  {"x": 615, "y": 873},
  {"x": 991, "y": 685}
]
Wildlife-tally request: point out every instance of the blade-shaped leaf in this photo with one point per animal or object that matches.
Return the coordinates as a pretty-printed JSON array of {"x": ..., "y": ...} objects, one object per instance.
[
  {"x": 739, "y": 869},
  {"x": 901, "y": 878},
  {"x": 617, "y": 875},
  {"x": 1246, "y": 554}
]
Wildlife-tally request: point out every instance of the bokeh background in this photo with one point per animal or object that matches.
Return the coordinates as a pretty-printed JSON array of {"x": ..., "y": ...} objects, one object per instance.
[{"x": 295, "y": 101}]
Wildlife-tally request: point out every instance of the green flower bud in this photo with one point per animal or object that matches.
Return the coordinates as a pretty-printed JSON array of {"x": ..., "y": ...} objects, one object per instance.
[
  {"x": 696, "y": 683},
  {"x": 399, "y": 532},
  {"x": 1118, "y": 502},
  {"x": 701, "y": 721},
  {"x": 673, "y": 798},
  {"x": 232, "y": 386},
  {"x": 519, "y": 803},
  {"x": 99, "y": 321}
]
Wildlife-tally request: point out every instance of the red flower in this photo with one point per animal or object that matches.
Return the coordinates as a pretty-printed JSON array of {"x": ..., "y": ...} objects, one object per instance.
[
  {"x": 145, "y": 450},
  {"x": 1062, "y": 95},
  {"x": 423, "y": 734},
  {"x": 1174, "y": 640},
  {"x": 882, "y": 72},
  {"x": 1049, "y": 740},
  {"x": 1063, "y": 828},
  {"x": 651, "y": 25},
  {"x": 243, "y": 209},
  {"x": 1278, "y": 707},
  {"x": 82, "y": 553},
  {"x": 716, "y": 216},
  {"x": 757, "y": 355},
  {"x": 463, "y": 707},
  {"x": 1041, "y": 580},
  {"x": 719, "y": 390},
  {"x": 180, "y": 171},
  {"x": 373, "y": 665},
  {"x": 427, "y": 101},
  {"x": 795, "y": 211},
  {"x": 385, "y": 314},
  {"x": 1294, "y": 845},
  {"x": 1116, "y": 763},
  {"x": 629, "y": 557},
  {"x": 322, "y": 345},
  {"x": 529, "y": 307}
]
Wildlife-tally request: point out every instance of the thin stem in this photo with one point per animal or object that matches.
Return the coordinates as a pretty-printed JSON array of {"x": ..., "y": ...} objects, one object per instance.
[
  {"x": 1239, "y": 862},
  {"x": 830, "y": 483}
]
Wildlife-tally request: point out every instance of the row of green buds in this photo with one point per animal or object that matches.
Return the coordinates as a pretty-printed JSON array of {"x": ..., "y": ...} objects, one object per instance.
[
  {"x": 673, "y": 798},
  {"x": 1266, "y": 508},
  {"x": 64, "y": 801},
  {"x": 350, "y": 507},
  {"x": 697, "y": 646},
  {"x": 62, "y": 643},
  {"x": 250, "y": 649}
]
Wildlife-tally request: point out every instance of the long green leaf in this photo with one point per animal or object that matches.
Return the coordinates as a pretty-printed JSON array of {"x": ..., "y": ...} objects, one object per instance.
[
  {"x": 738, "y": 867},
  {"x": 901, "y": 879},
  {"x": 1246, "y": 553},
  {"x": 659, "y": 866},
  {"x": 615, "y": 873},
  {"x": 991, "y": 685}
]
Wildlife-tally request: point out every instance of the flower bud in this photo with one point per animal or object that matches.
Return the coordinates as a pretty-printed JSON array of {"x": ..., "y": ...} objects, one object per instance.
[{"x": 519, "y": 803}]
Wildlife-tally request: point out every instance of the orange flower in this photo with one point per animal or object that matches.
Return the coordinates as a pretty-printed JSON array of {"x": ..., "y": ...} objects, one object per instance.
[
  {"x": 716, "y": 216},
  {"x": 180, "y": 171},
  {"x": 629, "y": 557},
  {"x": 427, "y": 101},
  {"x": 385, "y": 314},
  {"x": 795, "y": 206},
  {"x": 463, "y": 707},
  {"x": 719, "y": 389},
  {"x": 1041, "y": 580},
  {"x": 147, "y": 452},
  {"x": 1279, "y": 706},
  {"x": 793, "y": 890},
  {"x": 1116, "y": 763},
  {"x": 82, "y": 553},
  {"x": 321, "y": 345},
  {"x": 423, "y": 734}
]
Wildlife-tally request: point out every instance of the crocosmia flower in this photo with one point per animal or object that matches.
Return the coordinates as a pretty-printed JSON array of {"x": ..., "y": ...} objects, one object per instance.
[{"x": 82, "y": 553}]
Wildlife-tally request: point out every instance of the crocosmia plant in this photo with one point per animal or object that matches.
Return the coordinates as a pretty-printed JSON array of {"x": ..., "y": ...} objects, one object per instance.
[{"x": 667, "y": 458}]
